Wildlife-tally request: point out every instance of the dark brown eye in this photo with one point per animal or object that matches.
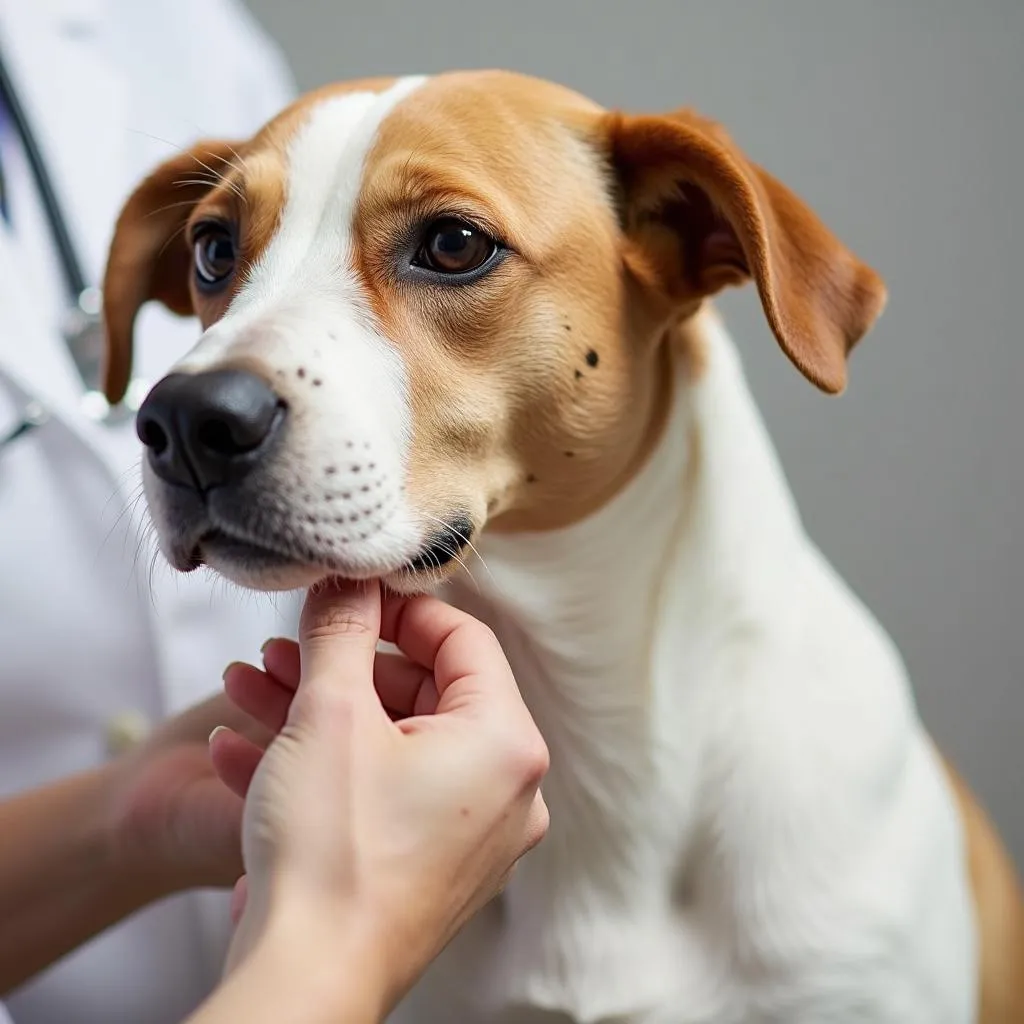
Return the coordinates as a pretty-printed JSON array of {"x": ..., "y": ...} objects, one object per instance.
[
  {"x": 454, "y": 247},
  {"x": 213, "y": 248}
]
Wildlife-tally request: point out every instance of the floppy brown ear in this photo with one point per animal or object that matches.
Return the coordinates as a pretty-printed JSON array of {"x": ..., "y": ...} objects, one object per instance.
[
  {"x": 700, "y": 216},
  {"x": 150, "y": 256}
]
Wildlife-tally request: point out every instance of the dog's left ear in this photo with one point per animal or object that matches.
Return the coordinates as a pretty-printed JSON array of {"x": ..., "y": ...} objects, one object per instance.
[
  {"x": 699, "y": 216},
  {"x": 150, "y": 257}
]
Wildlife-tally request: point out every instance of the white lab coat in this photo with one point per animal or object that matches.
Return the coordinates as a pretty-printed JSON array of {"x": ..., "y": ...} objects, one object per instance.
[{"x": 88, "y": 647}]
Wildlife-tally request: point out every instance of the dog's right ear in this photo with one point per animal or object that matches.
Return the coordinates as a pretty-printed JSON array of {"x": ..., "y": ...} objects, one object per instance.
[
  {"x": 150, "y": 257},
  {"x": 699, "y": 216}
]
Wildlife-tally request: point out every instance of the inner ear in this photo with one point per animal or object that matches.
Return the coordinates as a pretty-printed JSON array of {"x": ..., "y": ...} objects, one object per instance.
[
  {"x": 150, "y": 258},
  {"x": 709, "y": 256},
  {"x": 699, "y": 216}
]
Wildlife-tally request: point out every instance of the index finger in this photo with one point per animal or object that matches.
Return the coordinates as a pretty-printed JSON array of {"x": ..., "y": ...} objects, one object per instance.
[{"x": 448, "y": 642}]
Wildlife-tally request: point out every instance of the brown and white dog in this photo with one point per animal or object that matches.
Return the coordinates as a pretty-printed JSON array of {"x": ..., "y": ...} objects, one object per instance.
[{"x": 456, "y": 333}]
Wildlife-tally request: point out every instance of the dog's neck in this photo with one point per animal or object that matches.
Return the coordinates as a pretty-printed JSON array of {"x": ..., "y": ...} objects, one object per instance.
[{"x": 611, "y": 626}]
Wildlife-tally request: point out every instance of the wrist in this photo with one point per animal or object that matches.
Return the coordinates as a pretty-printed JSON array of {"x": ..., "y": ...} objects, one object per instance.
[
  {"x": 129, "y": 850},
  {"x": 329, "y": 957}
]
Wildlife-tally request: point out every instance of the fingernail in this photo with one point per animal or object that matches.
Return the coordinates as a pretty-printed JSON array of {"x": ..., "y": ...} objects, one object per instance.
[
  {"x": 267, "y": 643},
  {"x": 234, "y": 664},
  {"x": 219, "y": 728}
]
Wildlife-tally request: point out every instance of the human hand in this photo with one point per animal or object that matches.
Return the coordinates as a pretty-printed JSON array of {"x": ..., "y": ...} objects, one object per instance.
[
  {"x": 400, "y": 789},
  {"x": 175, "y": 825}
]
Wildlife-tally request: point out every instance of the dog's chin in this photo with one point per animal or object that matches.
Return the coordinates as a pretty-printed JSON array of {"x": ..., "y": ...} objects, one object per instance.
[{"x": 254, "y": 565}]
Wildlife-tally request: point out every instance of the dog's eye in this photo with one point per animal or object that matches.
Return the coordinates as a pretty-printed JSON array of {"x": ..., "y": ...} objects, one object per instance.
[
  {"x": 214, "y": 251},
  {"x": 454, "y": 247}
]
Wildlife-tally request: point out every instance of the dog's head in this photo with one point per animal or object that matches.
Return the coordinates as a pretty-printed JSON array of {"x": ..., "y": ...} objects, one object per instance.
[{"x": 431, "y": 305}]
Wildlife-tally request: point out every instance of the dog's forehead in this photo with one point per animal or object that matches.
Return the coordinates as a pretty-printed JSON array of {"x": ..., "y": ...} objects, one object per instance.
[
  {"x": 493, "y": 129},
  {"x": 492, "y": 123}
]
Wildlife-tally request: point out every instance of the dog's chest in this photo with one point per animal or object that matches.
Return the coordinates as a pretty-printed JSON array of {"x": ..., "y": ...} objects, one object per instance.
[
  {"x": 611, "y": 971},
  {"x": 591, "y": 919}
]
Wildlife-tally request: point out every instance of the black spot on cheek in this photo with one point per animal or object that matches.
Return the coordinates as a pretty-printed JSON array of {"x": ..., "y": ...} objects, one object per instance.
[
  {"x": 301, "y": 371},
  {"x": 579, "y": 374},
  {"x": 592, "y": 358},
  {"x": 317, "y": 382},
  {"x": 570, "y": 455},
  {"x": 531, "y": 479}
]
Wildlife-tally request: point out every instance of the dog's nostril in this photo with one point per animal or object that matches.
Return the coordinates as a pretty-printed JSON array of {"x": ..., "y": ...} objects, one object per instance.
[
  {"x": 218, "y": 436},
  {"x": 153, "y": 436}
]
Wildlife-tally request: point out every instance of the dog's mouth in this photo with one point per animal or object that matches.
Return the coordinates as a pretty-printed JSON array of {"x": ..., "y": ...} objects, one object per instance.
[
  {"x": 218, "y": 546},
  {"x": 266, "y": 562},
  {"x": 445, "y": 545}
]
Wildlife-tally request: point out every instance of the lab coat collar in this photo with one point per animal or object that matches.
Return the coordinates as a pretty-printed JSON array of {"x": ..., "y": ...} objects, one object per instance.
[{"x": 78, "y": 108}]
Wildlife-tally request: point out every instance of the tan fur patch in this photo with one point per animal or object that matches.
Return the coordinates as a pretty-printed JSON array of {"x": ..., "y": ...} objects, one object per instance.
[{"x": 999, "y": 906}]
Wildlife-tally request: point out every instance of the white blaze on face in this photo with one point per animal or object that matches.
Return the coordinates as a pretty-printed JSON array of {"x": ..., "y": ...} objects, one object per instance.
[{"x": 303, "y": 315}]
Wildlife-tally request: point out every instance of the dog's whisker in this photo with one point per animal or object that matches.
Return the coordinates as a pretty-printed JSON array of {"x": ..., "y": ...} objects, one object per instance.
[
  {"x": 170, "y": 206},
  {"x": 128, "y": 509}
]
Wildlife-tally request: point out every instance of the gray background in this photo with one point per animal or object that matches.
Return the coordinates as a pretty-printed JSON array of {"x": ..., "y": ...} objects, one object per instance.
[{"x": 903, "y": 125}]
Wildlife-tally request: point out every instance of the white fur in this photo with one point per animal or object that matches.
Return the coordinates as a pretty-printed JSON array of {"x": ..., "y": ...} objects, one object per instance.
[
  {"x": 749, "y": 824},
  {"x": 303, "y": 313}
]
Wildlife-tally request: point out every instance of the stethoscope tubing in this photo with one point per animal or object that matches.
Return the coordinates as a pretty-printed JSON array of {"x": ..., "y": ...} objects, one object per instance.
[{"x": 34, "y": 414}]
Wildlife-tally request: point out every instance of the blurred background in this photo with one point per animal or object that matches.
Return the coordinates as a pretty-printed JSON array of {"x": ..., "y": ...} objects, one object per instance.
[{"x": 903, "y": 126}]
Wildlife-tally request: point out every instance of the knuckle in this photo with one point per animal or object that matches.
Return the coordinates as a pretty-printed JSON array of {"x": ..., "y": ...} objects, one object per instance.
[
  {"x": 338, "y": 619},
  {"x": 330, "y": 623},
  {"x": 530, "y": 758},
  {"x": 484, "y": 632}
]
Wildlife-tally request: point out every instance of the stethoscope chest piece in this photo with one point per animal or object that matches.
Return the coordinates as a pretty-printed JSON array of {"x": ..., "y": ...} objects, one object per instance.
[
  {"x": 86, "y": 343},
  {"x": 83, "y": 336},
  {"x": 34, "y": 414}
]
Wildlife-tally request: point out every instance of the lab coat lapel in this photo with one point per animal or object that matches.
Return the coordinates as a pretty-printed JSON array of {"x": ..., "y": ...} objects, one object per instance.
[{"x": 78, "y": 114}]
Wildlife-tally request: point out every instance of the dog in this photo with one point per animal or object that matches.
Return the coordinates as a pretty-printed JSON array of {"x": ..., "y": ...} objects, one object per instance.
[{"x": 458, "y": 335}]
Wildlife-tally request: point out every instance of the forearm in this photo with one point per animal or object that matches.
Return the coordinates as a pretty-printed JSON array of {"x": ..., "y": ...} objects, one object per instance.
[{"x": 60, "y": 880}]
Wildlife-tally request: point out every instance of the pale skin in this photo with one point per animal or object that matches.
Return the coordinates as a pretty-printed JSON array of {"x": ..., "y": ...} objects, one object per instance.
[{"x": 395, "y": 796}]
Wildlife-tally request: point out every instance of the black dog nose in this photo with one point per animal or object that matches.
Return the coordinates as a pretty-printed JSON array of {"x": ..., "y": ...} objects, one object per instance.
[{"x": 207, "y": 429}]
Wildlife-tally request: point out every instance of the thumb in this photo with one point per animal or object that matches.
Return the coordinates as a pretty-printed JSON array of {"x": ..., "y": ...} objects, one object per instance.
[{"x": 338, "y": 631}]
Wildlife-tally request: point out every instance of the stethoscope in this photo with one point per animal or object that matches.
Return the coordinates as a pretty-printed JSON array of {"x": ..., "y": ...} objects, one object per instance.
[{"x": 83, "y": 322}]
